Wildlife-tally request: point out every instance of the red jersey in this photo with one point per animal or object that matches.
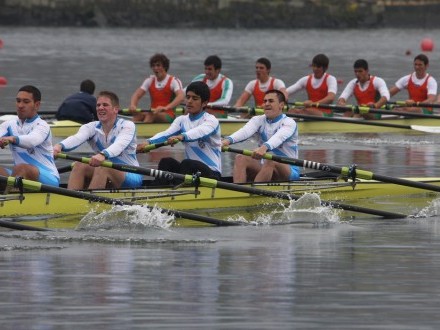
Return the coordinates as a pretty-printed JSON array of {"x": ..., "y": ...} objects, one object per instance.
[
  {"x": 418, "y": 93},
  {"x": 259, "y": 94},
  {"x": 217, "y": 90},
  {"x": 367, "y": 96}
]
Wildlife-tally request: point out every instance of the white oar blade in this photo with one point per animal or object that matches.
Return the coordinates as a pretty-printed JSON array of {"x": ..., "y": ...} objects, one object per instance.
[{"x": 427, "y": 129}]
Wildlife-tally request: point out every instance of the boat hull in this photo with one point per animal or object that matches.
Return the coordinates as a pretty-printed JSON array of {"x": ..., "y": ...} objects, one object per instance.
[{"x": 214, "y": 199}]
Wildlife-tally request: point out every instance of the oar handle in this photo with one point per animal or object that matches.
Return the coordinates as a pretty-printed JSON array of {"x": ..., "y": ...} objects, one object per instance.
[{"x": 150, "y": 147}]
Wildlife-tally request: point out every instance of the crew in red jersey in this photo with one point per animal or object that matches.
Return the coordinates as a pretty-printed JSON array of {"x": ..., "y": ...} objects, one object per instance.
[
  {"x": 368, "y": 91},
  {"x": 258, "y": 87},
  {"x": 320, "y": 86},
  {"x": 421, "y": 86},
  {"x": 166, "y": 92},
  {"x": 220, "y": 86}
]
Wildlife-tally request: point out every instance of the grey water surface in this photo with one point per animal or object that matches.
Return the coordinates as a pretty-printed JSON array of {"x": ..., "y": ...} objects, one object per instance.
[{"x": 367, "y": 273}]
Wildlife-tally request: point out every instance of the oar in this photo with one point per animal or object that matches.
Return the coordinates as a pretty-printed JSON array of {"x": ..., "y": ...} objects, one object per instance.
[
  {"x": 345, "y": 171},
  {"x": 150, "y": 147},
  {"x": 39, "y": 112},
  {"x": 126, "y": 111},
  {"x": 65, "y": 169},
  {"x": 230, "y": 108},
  {"x": 420, "y": 128},
  {"x": 415, "y": 104},
  {"x": 364, "y": 110},
  {"x": 29, "y": 185},
  {"x": 19, "y": 226},
  {"x": 211, "y": 183}
]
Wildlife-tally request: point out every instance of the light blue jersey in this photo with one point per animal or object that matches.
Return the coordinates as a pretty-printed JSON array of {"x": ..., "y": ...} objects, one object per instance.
[
  {"x": 33, "y": 145},
  {"x": 119, "y": 146},
  {"x": 202, "y": 138}
]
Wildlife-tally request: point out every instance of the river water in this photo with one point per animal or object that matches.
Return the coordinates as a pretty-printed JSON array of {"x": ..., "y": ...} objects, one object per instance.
[{"x": 367, "y": 273}]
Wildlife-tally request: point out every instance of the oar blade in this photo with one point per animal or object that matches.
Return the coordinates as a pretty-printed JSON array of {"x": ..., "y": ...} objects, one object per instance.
[{"x": 427, "y": 129}]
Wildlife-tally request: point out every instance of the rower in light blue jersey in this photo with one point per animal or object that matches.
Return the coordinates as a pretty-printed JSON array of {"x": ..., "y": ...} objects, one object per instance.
[
  {"x": 199, "y": 131},
  {"x": 30, "y": 140},
  {"x": 277, "y": 134}
]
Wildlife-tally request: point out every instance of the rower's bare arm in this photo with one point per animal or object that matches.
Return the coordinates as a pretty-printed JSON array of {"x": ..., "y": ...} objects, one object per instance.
[
  {"x": 137, "y": 95},
  {"x": 244, "y": 97}
]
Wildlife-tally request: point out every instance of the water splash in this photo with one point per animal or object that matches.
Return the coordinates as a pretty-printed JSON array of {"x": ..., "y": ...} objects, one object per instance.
[
  {"x": 432, "y": 210},
  {"x": 308, "y": 209},
  {"x": 126, "y": 217}
]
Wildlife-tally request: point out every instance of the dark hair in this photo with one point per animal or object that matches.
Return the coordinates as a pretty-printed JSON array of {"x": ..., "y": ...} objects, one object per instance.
[
  {"x": 423, "y": 58},
  {"x": 87, "y": 86},
  {"x": 160, "y": 58},
  {"x": 361, "y": 64},
  {"x": 280, "y": 95},
  {"x": 112, "y": 96},
  {"x": 321, "y": 61},
  {"x": 36, "y": 94},
  {"x": 213, "y": 60},
  {"x": 265, "y": 62},
  {"x": 200, "y": 89}
]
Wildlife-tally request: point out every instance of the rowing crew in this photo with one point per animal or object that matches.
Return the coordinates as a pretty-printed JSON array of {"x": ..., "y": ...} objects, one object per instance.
[
  {"x": 114, "y": 138},
  {"x": 166, "y": 91}
]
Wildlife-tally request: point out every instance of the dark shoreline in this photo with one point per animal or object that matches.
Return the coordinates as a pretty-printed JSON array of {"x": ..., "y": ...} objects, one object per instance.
[{"x": 218, "y": 14}]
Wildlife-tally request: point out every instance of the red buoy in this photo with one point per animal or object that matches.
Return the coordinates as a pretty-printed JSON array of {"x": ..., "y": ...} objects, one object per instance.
[
  {"x": 1, "y": 43},
  {"x": 3, "y": 81},
  {"x": 427, "y": 45}
]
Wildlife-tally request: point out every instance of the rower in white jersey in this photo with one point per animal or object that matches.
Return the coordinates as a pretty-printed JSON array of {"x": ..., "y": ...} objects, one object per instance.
[
  {"x": 112, "y": 138},
  {"x": 199, "y": 131},
  {"x": 277, "y": 134},
  {"x": 30, "y": 140}
]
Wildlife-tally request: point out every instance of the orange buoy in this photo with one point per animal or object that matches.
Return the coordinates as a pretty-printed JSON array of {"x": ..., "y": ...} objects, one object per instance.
[
  {"x": 427, "y": 45},
  {"x": 3, "y": 81}
]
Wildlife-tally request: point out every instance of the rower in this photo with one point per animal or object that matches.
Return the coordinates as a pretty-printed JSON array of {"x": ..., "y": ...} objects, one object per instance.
[
  {"x": 112, "y": 138},
  {"x": 30, "y": 140},
  {"x": 259, "y": 86},
  {"x": 166, "y": 93},
  {"x": 81, "y": 106},
  {"x": 320, "y": 86},
  {"x": 368, "y": 90},
  {"x": 277, "y": 133},
  {"x": 199, "y": 131},
  {"x": 421, "y": 86},
  {"x": 220, "y": 86}
]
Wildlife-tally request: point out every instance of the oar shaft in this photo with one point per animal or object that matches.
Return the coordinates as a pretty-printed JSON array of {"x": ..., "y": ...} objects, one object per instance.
[
  {"x": 229, "y": 108},
  {"x": 364, "y": 110},
  {"x": 178, "y": 110},
  {"x": 415, "y": 104},
  {"x": 346, "y": 171},
  {"x": 19, "y": 226},
  {"x": 349, "y": 121}
]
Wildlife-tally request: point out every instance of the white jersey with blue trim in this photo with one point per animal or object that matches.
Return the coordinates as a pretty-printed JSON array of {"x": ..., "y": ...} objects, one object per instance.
[
  {"x": 280, "y": 135},
  {"x": 119, "y": 145},
  {"x": 33, "y": 143},
  {"x": 202, "y": 138}
]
